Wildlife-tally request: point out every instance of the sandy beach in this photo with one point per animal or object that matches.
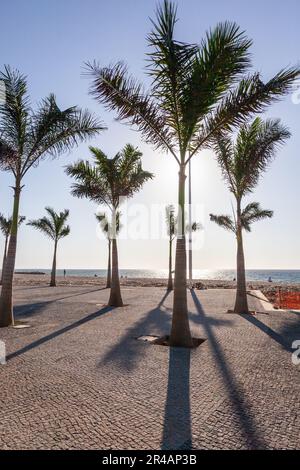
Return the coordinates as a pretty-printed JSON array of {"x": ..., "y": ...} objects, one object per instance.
[{"x": 268, "y": 289}]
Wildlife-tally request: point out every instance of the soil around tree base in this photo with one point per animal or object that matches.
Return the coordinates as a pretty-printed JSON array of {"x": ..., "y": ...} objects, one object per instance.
[{"x": 165, "y": 340}]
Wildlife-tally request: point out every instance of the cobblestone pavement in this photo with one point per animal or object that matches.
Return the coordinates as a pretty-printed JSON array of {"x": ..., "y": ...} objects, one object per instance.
[{"x": 78, "y": 378}]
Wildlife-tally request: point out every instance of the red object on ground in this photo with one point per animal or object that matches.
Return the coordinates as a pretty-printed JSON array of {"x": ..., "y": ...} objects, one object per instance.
[{"x": 287, "y": 299}]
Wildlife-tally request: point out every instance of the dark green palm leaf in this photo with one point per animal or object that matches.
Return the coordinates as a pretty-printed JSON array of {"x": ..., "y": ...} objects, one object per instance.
[
  {"x": 253, "y": 213},
  {"x": 109, "y": 179},
  {"x": 26, "y": 136},
  {"x": 54, "y": 226},
  {"x": 224, "y": 221}
]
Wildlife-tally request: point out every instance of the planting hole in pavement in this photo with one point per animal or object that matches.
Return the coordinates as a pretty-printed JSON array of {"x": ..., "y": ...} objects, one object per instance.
[{"x": 164, "y": 340}]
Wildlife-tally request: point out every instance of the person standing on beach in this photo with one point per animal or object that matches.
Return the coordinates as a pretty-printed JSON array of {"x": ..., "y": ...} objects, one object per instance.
[{"x": 65, "y": 272}]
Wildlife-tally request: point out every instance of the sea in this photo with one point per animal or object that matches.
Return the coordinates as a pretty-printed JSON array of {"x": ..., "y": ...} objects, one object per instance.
[{"x": 277, "y": 275}]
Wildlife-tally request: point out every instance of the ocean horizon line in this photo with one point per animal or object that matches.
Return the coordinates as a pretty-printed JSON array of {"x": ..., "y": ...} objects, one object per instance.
[{"x": 276, "y": 275}]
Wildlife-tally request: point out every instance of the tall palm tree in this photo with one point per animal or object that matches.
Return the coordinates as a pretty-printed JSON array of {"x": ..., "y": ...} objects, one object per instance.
[
  {"x": 107, "y": 182},
  {"x": 54, "y": 226},
  {"x": 5, "y": 227},
  {"x": 107, "y": 229},
  {"x": 242, "y": 164},
  {"x": 26, "y": 137},
  {"x": 171, "y": 222},
  {"x": 196, "y": 92}
]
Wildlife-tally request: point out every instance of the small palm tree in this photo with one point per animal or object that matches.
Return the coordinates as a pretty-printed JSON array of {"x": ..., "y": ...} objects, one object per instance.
[
  {"x": 107, "y": 229},
  {"x": 107, "y": 182},
  {"x": 196, "y": 92},
  {"x": 242, "y": 164},
  {"x": 5, "y": 227},
  {"x": 26, "y": 137},
  {"x": 171, "y": 222},
  {"x": 54, "y": 226},
  {"x": 171, "y": 229}
]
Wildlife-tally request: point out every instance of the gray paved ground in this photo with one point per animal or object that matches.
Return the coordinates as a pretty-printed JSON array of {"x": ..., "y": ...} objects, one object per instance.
[{"x": 79, "y": 379}]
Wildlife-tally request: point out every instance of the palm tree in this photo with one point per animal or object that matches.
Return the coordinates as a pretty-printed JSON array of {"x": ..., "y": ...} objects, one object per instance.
[
  {"x": 107, "y": 229},
  {"x": 54, "y": 226},
  {"x": 5, "y": 227},
  {"x": 242, "y": 164},
  {"x": 26, "y": 137},
  {"x": 196, "y": 92},
  {"x": 107, "y": 182},
  {"x": 171, "y": 221}
]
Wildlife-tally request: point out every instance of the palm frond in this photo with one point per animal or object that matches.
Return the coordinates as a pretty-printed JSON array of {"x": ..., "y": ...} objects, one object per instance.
[
  {"x": 8, "y": 157},
  {"x": 110, "y": 178},
  {"x": 54, "y": 131},
  {"x": 27, "y": 136},
  {"x": 54, "y": 225},
  {"x": 255, "y": 148},
  {"x": 6, "y": 223},
  {"x": 244, "y": 161},
  {"x": 109, "y": 228},
  {"x": 15, "y": 110},
  {"x": 224, "y": 151},
  {"x": 44, "y": 225},
  {"x": 113, "y": 87},
  {"x": 250, "y": 97},
  {"x": 65, "y": 231},
  {"x": 253, "y": 213},
  {"x": 90, "y": 183},
  {"x": 223, "y": 55},
  {"x": 224, "y": 221},
  {"x": 168, "y": 65}
]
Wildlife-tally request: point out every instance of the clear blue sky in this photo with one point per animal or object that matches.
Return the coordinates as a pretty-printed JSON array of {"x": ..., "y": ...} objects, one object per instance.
[{"x": 50, "y": 40}]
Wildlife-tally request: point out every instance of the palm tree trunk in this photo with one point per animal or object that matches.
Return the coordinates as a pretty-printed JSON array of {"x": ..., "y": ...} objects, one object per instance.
[
  {"x": 180, "y": 330},
  {"x": 53, "y": 271},
  {"x": 241, "y": 303},
  {"x": 170, "y": 280},
  {"x": 4, "y": 258},
  {"x": 6, "y": 299},
  {"x": 108, "y": 279},
  {"x": 115, "y": 298}
]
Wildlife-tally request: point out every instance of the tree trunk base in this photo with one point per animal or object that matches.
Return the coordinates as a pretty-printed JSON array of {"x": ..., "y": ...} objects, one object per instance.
[
  {"x": 6, "y": 314},
  {"x": 115, "y": 300},
  {"x": 241, "y": 305},
  {"x": 181, "y": 342}
]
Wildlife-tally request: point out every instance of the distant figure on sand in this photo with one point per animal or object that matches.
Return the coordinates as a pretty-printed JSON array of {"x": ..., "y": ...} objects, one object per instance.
[
  {"x": 65, "y": 272},
  {"x": 270, "y": 279}
]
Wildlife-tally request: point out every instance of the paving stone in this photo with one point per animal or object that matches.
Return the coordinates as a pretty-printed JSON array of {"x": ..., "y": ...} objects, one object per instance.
[{"x": 78, "y": 378}]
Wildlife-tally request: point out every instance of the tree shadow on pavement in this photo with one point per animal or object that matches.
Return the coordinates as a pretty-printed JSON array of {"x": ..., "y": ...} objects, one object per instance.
[
  {"x": 58, "y": 333},
  {"x": 177, "y": 430},
  {"x": 248, "y": 431},
  {"x": 38, "y": 307},
  {"x": 128, "y": 352},
  {"x": 279, "y": 338}
]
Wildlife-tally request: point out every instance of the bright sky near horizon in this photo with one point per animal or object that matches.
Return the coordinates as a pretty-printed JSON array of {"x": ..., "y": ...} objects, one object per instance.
[{"x": 50, "y": 40}]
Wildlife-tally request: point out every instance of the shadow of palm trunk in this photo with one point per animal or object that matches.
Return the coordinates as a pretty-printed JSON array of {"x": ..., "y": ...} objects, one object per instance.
[
  {"x": 247, "y": 428},
  {"x": 177, "y": 432}
]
